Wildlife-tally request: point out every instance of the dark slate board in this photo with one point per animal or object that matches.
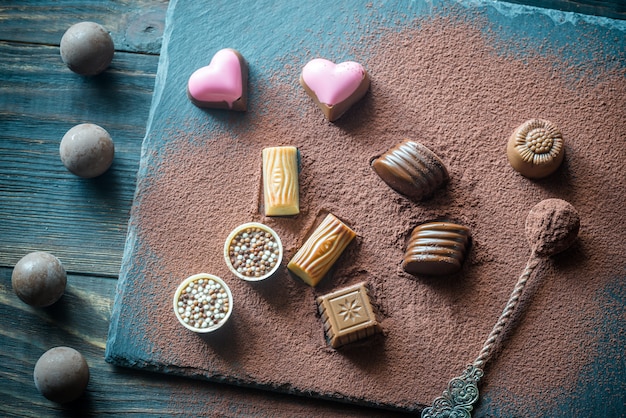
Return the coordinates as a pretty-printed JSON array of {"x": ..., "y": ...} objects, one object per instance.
[{"x": 265, "y": 33}]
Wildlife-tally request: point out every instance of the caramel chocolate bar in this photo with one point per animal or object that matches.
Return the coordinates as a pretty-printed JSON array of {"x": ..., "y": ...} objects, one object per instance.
[
  {"x": 280, "y": 181},
  {"x": 436, "y": 248},
  {"x": 348, "y": 315},
  {"x": 321, "y": 250},
  {"x": 411, "y": 169}
]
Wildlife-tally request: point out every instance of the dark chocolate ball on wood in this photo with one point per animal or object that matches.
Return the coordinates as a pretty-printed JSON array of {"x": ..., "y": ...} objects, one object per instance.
[
  {"x": 39, "y": 279},
  {"x": 87, "y": 150},
  {"x": 61, "y": 374},
  {"x": 87, "y": 48}
]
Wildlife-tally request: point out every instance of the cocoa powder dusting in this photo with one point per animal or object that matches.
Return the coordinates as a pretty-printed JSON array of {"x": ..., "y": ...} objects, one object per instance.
[
  {"x": 552, "y": 227},
  {"x": 444, "y": 84}
]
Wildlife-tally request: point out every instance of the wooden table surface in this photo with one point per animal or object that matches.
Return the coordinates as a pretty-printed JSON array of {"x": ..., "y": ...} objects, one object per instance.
[{"x": 43, "y": 207}]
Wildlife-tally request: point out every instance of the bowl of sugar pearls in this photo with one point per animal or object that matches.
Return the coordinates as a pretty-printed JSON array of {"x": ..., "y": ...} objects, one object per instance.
[
  {"x": 203, "y": 303},
  {"x": 253, "y": 251}
]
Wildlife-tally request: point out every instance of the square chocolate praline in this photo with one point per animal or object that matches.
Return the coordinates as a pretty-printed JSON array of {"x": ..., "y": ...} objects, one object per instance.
[{"x": 348, "y": 315}]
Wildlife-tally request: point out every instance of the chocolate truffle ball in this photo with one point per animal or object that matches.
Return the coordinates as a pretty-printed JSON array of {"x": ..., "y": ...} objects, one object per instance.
[
  {"x": 39, "y": 279},
  {"x": 87, "y": 150},
  {"x": 86, "y": 48},
  {"x": 61, "y": 374}
]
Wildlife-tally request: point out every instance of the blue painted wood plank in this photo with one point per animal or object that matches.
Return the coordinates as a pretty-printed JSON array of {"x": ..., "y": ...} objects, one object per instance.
[
  {"x": 134, "y": 26},
  {"x": 44, "y": 206}
]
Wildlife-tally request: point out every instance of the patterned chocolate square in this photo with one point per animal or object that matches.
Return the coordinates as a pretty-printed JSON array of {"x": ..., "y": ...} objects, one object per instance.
[{"x": 348, "y": 315}]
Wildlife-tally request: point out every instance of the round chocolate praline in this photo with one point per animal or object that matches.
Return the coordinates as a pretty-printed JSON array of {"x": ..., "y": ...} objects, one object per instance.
[
  {"x": 39, "y": 279},
  {"x": 536, "y": 148},
  {"x": 87, "y": 150},
  {"x": 87, "y": 48},
  {"x": 61, "y": 374}
]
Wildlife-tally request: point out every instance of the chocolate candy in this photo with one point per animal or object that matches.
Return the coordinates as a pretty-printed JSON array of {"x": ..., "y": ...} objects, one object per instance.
[
  {"x": 348, "y": 315},
  {"x": 203, "y": 303},
  {"x": 87, "y": 150},
  {"x": 253, "y": 251},
  {"x": 334, "y": 87},
  {"x": 39, "y": 279},
  {"x": 223, "y": 84},
  {"x": 436, "y": 248},
  {"x": 280, "y": 181},
  {"x": 61, "y": 374},
  {"x": 87, "y": 48},
  {"x": 536, "y": 149},
  {"x": 321, "y": 250},
  {"x": 411, "y": 169}
]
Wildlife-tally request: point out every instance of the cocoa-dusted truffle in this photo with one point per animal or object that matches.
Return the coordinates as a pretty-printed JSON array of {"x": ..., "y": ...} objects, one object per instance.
[
  {"x": 552, "y": 226},
  {"x": 61, "y": 374},
  {"x": 39, "y": 279},
  {"x": 87, "y": 150},
  {"x": 536, "y": 149},
  {"x": 87, "y": 48}
]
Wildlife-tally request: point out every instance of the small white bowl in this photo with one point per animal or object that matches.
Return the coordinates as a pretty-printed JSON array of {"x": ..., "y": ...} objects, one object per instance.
[
  {"x": 241, "y": 229},
  {"x": 206, "y": 280}
]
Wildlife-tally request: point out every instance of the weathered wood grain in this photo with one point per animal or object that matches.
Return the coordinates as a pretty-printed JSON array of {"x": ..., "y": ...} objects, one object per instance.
[
  {"x": 135, "y": 26},
  {"x": 44, "y": 206}
]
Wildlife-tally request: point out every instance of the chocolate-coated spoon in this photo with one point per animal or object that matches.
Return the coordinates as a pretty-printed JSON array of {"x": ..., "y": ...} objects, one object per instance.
[{"x": 551, "y": 227}]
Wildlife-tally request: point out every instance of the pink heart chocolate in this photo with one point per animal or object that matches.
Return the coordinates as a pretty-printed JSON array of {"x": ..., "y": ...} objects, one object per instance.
[
  {"x": 222, "y": 84},
  {"x": 334, "y": 87}
]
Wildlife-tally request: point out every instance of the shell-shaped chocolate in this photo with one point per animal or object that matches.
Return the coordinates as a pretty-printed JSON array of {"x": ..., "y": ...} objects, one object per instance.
[
  {"x": 436, "y": 248},
  {"x": 536, "y": 148},
  {"x": 411, "y": 169}
]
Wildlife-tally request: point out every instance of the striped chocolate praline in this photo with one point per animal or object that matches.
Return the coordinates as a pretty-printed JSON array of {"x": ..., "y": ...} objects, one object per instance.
[
  {"x": 411, "y": 169},
  {"x": 436, "y": 249}
]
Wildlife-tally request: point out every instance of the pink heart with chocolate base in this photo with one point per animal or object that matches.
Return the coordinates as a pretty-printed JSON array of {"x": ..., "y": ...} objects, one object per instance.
[
  {"x": 334, "y": 87},
  {"x": 223, "y": 84}
]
